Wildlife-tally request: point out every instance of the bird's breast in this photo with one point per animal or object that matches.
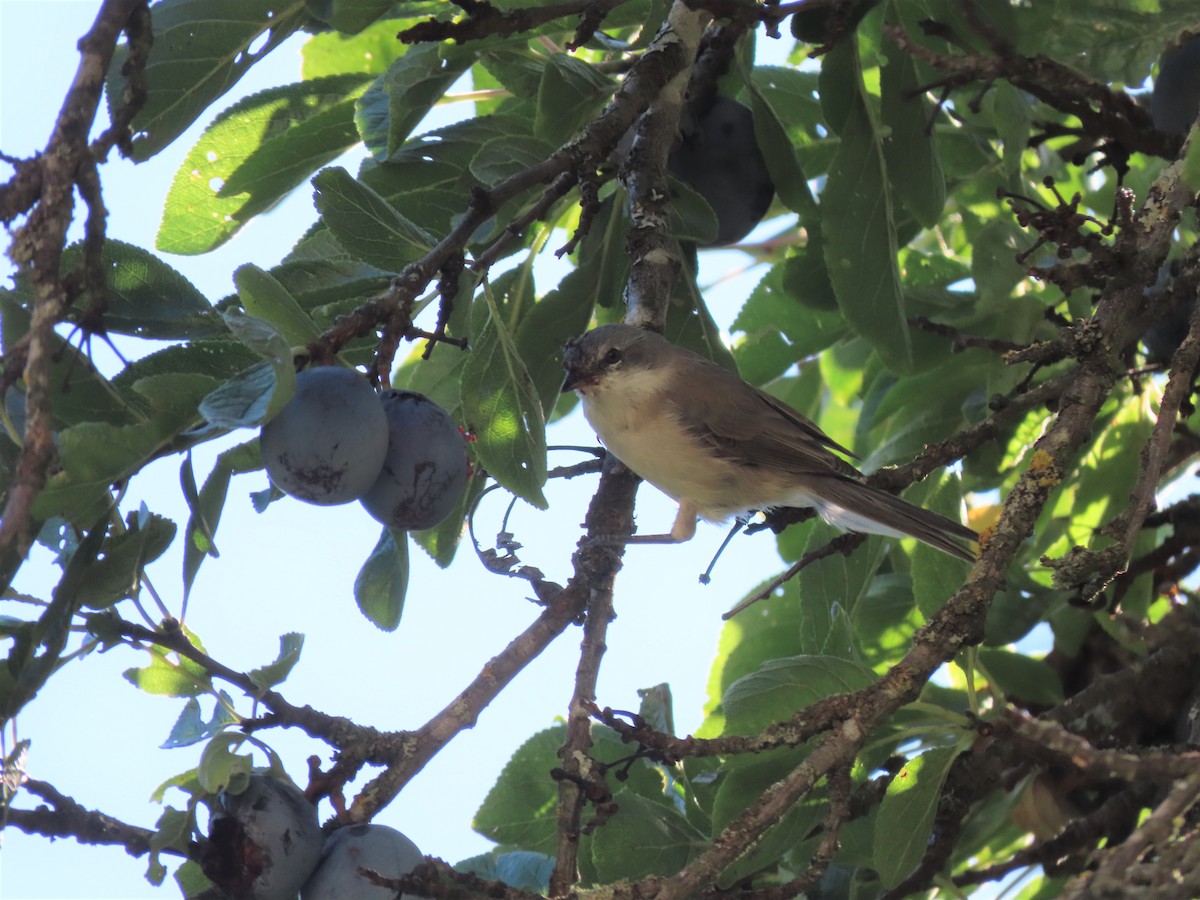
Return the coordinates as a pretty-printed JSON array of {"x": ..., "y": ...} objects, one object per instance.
[{"x": 651, "y": 439}]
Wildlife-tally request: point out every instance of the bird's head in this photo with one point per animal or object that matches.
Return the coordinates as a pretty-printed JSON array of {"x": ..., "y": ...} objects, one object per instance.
[{"x": 610, "y": 354}]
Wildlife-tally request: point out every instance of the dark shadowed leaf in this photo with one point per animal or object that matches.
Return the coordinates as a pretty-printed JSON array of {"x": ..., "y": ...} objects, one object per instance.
[
  {"x": 858, "y": 227},
  {"x": 913, "y": 168},
  {"x": 391, "y": 108},
  {"x": 570, "y": 93},
  {"x": 365, "y": 224},
  {"x": 644, "y": 838},
  {"x": 148, "y": 298},
  {"x": 781, "y": 687}
]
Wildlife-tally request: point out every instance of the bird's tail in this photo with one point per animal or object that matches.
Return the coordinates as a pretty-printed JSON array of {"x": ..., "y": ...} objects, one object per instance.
[{"x": 853, "y": 506}]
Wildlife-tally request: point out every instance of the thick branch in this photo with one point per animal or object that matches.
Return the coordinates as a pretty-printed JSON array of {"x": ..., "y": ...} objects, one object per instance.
[
  {"x": 38, "y": 247},
  {"x": 66, "y": 818}
]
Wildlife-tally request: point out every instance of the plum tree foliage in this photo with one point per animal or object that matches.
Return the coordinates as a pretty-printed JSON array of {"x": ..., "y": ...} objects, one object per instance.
[{"x": 971, "y": 202}]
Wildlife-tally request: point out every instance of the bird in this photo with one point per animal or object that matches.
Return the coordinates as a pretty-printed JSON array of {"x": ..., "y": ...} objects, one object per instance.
[{"x": 722, "y": 448}]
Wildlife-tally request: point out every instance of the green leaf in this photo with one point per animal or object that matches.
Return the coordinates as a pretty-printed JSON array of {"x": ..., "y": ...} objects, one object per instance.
[
  {"x": 782, "y": 687},
  {"x": 190, "y": 728},
  {"x": 173, "y": 831},
  {"x": 1023, "y": 677},
  {"x": 37, "y": 647},
  {"x": 382, "y": 581},
  {"x": 936, "y": 575},
  {"x": 993, "y": 264},
  {"x": 244, "y": 401},
  {"x": 643, "y": 838},
  {"x": 252, "y": 155},
  {"x": 201, "y": 49},
  {"x": 1190, "y": 171},
  {"x": 884, "y": 622},
  {"x": 560, "y": 315},
  {"x": 365, "y": 224},
  {"x": 691, "y": 217},
  {"x": 265, "y": 298},
  {"x": 216, "y": 359},
  {"x": 779, "y": 330},
  {"x": 830, "y": 593},
  {"x": 519, "y": 809},
  {"x": 1012, "y": 116},
  {"x": 603, "y": 262},
  {"x": 657, "y": 707},
  {"x": 516, "y": 70},
  {"x": 570, "y": 93},
  {"x": 262, "y": 337},
  {"x": 351, "y": 16},
  {"x": 749, "y": 641},
  {"x": 791, "y": 184},
  {"x": 806, "y": 275},
  {"x": 393, "y": 106},
  {"x": 220, "y": 767},
  {"x": 124, "y": 556},
  {"x": 268, "y": 676},
  {"x": 1016, "y": 610},
  {"x": 905, "y": 818},
  {"x": 502, "y": 157},
  {"x": 95, "y": 455},
  {"x": 918, "y": 409},
  {"x": 147, "y": 298},
  {"x": 169, "y": 676},
  {"x": 441, "y": 542},
  {"x": 206, "y": 506},
  {"x": 254, "y": 395},
  {"x": 369, "y": 52},
  {"x": 741, "y": 782},
  {"x": 502, "y": 407},
  {"x": 78, "y": 392},
  {"x": 858, "y": 225},
  {"x": 191, "y": 880},
  {"x": 914, "y": 170}
]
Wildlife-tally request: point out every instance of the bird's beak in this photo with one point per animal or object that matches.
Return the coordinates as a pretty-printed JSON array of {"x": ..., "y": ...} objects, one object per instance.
[
  {"x": 571, "y": 362},
  {"x": 572, "y": 380}
]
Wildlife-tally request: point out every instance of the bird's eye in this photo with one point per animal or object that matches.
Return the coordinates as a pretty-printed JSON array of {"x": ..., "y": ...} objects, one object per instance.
[{"x": 612, "y": 357}]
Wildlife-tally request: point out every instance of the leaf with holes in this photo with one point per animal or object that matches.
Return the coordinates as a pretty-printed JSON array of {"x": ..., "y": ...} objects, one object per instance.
[
  {"x": 201, "y": 49},
  {"x": 252, "y": 155}
]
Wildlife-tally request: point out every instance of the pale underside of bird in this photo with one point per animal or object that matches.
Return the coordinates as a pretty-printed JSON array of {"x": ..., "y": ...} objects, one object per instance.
[{"x": 721, "y": 447}]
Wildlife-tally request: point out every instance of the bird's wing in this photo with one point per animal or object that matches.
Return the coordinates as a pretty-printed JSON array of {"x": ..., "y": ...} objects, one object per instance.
[{"x": 749, "y": 426}]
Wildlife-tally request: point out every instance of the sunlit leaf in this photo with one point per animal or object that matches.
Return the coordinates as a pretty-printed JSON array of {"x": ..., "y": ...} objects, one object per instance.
[
  {"x": 252, "y": 155},
  {"x": 201, "y": 49},
  {"x": 503, "y": 409}
]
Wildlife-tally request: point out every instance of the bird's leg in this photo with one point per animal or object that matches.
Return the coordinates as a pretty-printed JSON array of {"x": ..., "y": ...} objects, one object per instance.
[{"x": 683, "y": 530}]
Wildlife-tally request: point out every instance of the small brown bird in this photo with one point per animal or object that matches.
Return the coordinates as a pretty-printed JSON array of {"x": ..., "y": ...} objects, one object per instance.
[{"x": 720, "y": 447}]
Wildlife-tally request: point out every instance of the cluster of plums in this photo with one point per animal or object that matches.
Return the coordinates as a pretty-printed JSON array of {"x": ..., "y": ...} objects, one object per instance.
[
  {"x": 1174, "y": 105},
  {"x": 720, "y": 159},
  {"x": 266, "y": 844},
  {"x": 338, "y": 440}
]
